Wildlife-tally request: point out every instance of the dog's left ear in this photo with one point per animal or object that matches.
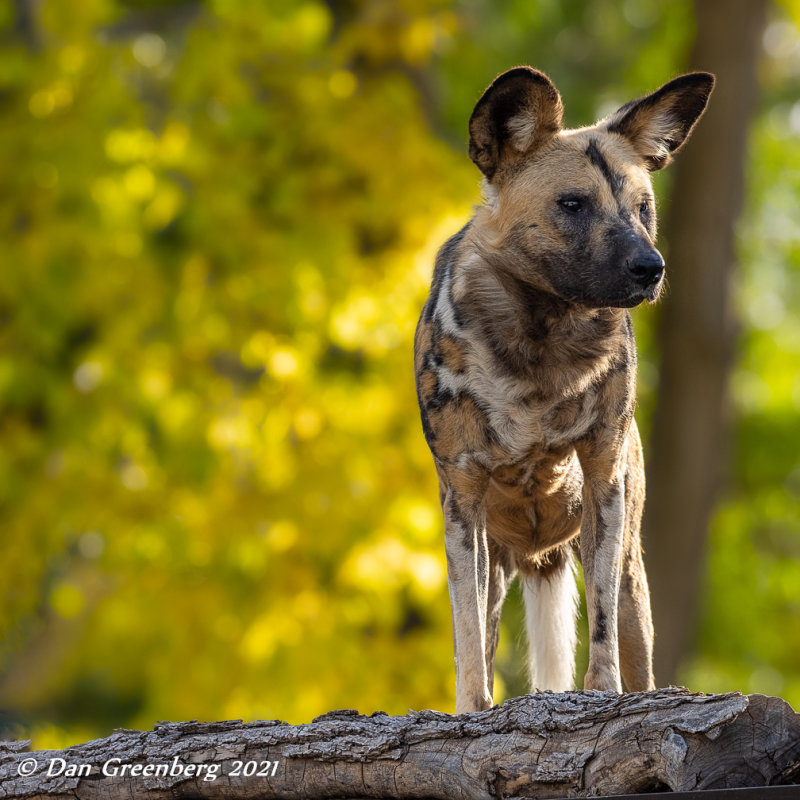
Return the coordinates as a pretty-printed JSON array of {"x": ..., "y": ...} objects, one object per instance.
[
  {"x": 657, "y": 125},
  {"x": 518, "y": 113}
]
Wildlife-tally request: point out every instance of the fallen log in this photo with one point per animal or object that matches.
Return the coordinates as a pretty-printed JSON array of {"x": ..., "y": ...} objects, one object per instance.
[{"x": 545, "y": 745}]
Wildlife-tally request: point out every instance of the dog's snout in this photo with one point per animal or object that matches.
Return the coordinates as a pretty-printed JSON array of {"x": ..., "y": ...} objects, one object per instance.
[{"x": 647, "y": 267}]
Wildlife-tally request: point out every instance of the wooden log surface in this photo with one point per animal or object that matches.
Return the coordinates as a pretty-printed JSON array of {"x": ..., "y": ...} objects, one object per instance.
[{"x": 545, "y": 745}]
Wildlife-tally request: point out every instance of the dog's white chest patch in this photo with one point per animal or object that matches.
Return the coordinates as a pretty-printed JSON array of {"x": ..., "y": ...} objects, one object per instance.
[{"x": 522, "y": 422}]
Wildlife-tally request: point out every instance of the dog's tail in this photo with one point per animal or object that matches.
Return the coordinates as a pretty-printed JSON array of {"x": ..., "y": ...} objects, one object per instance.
[{"x": 551, "y": 609}]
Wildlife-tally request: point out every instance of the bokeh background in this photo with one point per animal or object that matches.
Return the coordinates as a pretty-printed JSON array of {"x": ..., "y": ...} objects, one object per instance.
[{"x": 218, "y": 223}]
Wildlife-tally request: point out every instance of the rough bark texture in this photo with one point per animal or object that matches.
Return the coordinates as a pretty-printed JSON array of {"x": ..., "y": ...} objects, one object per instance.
[
  {"x": 547, "y": 745},
  {"x": 687, "y": 450}
]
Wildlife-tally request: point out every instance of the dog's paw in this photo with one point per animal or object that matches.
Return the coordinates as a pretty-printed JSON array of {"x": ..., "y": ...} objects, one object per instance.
[
  {"x": 474, "y": 703},
  {"x": 602, "y": 680}
]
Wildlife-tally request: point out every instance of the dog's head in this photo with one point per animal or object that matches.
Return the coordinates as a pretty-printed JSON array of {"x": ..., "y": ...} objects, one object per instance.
[{"x": 571, "y": 211}]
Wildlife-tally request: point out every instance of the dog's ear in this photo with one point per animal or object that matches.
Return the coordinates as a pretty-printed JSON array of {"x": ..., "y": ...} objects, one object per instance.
[
  {"x": 519, "y": 112},
  {"x": 657, "y": 125}
]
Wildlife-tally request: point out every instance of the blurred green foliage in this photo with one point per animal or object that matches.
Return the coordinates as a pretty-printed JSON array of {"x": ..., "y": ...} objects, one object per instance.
[{"x": 219, "y": 221}]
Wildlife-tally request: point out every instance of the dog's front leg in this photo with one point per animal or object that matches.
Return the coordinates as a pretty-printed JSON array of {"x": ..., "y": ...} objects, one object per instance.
[
  {"x": 601, "y": 554},
  {"x": 468, "y": 580}
]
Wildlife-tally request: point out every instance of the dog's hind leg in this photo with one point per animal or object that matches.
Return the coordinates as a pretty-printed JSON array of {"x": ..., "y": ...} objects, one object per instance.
[
  {"x": 635, "y": 625},
  {"x": 551, "y": 609},
  {"x": 467, "y": 551},
  {"x": 501, "y": 573}
]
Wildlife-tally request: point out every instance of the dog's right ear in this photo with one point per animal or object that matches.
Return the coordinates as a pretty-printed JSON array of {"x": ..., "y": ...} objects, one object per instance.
[{"x": 518, "y": 113}]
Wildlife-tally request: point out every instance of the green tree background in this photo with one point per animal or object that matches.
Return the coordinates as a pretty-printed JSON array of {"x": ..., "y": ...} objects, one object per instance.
[{"x": 219, "y": 219}]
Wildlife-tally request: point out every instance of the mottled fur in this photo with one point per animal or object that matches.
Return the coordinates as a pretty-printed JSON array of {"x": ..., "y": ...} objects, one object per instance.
[{"x": 526, "y": 372}]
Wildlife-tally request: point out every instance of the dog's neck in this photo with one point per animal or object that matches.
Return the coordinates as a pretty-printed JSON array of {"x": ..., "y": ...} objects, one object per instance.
[{"x": 527, "y": 324}]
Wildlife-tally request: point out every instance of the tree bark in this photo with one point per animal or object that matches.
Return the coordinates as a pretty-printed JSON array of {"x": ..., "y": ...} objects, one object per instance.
[
  {"x": 697, "y": 331},
  {"x": 546, "y": 745}
]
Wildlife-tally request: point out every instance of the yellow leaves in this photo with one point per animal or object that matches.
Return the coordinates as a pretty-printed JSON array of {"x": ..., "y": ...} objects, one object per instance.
[
  {"x": 71, "y": 58},
  {"x": 386, "y": 565},
  {"x": 351, "y": 324},
  {"x": 155, "y": 383},
  {"x": 139, "y": 182},
  {"x": 310, "y": 286},
  {"x": 130, "y": 145},
  {"x": 307, "y": 606},
  {"x": 56, "y": 97},
  {"x": 417, "y": 40},
  {"x": 260, "y": 639},
  {"x": 164, "y": 207},
  {"x": 127, "y": 145},
  {"x": 67, "y": 600},
  {"x": 342, "y": 84},
  {"x": 282, "y": 535},
  {"x": 276, "y": 469},
  {"x": 127, "y": 244},
  {"x": 310, "y": 23},
  {"x": 368, "y": 408},
  {"x": 429, "y": 572},
  {"x": 231, "y": 432},
  {"x": 120, "y": 198},
  {"x": 257, "y": 349},
  {"x": 282, "y": 625},
  {"x": 299, "y": 26},
  {"x": 42, "y": 104},
  {"x": 423, "y": 517},
  {"x": 307, "y": 423},
  {"x": 283, "y": 362},
  {"x": 178, "y": 412},
  {"x": 149, "y": 545},
  {"x": 444, "y": 227},
  {"x": 403, "y": 30},
  {"x": 173, "y": 143}
]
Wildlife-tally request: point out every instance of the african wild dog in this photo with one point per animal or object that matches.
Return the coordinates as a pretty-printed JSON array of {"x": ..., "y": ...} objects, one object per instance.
[{"x": 526, "y": 372}]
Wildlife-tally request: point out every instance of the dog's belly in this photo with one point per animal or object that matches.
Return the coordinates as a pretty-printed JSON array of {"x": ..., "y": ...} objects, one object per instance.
[{"x": 535, "y": 505}]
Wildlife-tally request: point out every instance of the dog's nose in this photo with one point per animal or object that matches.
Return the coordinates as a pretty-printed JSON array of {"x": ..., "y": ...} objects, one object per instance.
[{"x": 647, "y": 267}]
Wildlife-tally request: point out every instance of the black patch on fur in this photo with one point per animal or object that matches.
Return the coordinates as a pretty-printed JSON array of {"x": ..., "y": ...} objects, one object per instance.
[
  {"x": 600, "y": 628},
  {"x": 435, "y": 359},
  {"x": 443, "y": 266},
  {"x": 600, "y": 528},
  {"x": 442, "y": 398},
  {"x": 427, "y": 430},
  {"x": 614, "y": 179}
]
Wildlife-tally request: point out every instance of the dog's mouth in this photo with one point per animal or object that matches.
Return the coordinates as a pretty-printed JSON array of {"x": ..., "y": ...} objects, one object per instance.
[
  {"x": 649, "y": 292},
  {"x": 622, "y": 293},
  {"x": 652, "y": 292},
  {"x": 637, "y": 295}
]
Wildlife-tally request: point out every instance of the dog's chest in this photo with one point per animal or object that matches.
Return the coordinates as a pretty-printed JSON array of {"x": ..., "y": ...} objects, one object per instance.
[
  {"x": 517, "y": 416},
  {"x": 524, "y": 417}
]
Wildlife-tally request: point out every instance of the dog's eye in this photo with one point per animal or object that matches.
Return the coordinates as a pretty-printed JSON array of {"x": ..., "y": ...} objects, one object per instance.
[
  {"x": 571, "y": 204},
  {"x": 644, "y": 208}
]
